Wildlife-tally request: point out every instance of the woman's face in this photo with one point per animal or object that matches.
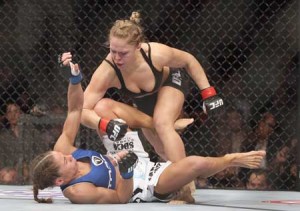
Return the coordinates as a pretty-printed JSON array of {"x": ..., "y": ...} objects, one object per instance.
[
  {"x": 122, "y": 53},
  {"x": 67, "y": 165}
]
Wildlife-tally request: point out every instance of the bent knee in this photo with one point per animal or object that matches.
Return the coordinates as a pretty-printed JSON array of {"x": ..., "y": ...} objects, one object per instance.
[
  {"x": 103, "y": 106},
  {"x": 162, "y": 124}
]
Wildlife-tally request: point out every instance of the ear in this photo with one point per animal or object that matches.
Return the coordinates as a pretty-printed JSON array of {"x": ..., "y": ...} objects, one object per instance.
[
  {"x": 138, "y": 47},
  {"x": 59, "y": 181}
]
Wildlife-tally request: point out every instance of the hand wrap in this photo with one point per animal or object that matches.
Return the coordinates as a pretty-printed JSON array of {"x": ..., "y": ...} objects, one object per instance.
[{"x": 76, "y": 76}]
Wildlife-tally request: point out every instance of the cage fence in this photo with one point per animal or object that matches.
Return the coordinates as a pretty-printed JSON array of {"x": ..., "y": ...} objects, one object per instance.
[{"x": 249, "y": 50}]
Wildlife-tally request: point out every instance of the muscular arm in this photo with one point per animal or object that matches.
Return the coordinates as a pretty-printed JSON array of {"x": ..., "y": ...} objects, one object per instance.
[
  {"x": 86, "y": 193},
  {"x": 65, "y": 142},
  {"x": 112, "y": 109},
  {"x": 101, "y": 81},
  {"x": 164, "y": 55}
]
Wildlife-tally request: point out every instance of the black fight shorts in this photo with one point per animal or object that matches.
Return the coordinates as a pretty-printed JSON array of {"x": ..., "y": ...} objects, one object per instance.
[{"x": 178, "y": 79}]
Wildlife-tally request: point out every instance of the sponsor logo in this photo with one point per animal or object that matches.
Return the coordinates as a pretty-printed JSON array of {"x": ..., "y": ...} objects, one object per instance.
[
  {"x": 109, "y": 172},
  {"x": 153, "y": 170},
  {"x": 125, "y": 143},
  {"x": 176, "y": 78},
  {"x": 97, "y": 161},
  {"x": 215, "y": 104},
  {"x": 115, "y": 132},
  {"x": 122, "y": 146},
  {"x": 135, "y": 196}
]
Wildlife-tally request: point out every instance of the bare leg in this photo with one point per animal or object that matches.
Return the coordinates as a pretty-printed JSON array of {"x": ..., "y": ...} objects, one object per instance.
[
  {"x": 155, "y": 142},
  {"x": 191, "y": 167},
  {"x": 109, "y": 108},
  {"x": 168, "y": 108}
]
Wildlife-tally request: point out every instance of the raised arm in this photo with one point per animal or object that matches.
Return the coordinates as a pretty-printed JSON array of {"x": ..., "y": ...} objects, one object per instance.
[{"x": 65, "y": 142}]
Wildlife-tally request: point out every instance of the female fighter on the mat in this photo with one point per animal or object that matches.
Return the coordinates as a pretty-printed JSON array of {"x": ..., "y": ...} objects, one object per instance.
[{"x": 89, "y": 177}]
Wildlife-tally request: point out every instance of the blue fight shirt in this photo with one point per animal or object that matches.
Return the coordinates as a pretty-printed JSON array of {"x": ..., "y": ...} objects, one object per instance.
[{"x": 102, "y": 174}]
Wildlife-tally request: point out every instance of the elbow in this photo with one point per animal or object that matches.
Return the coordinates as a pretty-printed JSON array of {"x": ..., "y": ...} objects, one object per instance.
[
  {"x": 124, "y": 198},
  {"x": 124, "y": 201}
]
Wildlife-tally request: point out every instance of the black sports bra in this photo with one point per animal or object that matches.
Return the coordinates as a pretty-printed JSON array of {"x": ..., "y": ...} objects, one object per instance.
[{"x": 158, "y": 75}]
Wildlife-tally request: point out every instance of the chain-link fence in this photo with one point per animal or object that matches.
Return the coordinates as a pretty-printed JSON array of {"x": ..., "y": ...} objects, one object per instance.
[{"x": 249, "y": 50}]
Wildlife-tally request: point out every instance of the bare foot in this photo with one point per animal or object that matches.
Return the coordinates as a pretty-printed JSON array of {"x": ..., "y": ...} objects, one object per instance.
[
  {"x": 250, "y": 160},
  {"x": 180, "y": 124}
]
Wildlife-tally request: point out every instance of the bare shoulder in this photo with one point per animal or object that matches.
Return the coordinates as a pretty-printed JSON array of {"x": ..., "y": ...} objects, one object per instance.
[
  {"x": 105, "y": 64},
  {"x": 160, "y": 53},
  {"x": 159, "y": 46},
  {"x": 105, "y": 73},
  {"x": 153, "y": 45}
]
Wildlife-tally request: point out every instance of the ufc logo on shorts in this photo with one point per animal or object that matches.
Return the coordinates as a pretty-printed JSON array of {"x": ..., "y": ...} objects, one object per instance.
[
  {"x": 176, "y": 78},
  {"x": 215, "y": 104},
  {"x": 115, "y": 132}
]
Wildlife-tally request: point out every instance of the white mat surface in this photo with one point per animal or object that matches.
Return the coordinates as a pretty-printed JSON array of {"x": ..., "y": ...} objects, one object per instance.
[{"x": 15, "y": 198}]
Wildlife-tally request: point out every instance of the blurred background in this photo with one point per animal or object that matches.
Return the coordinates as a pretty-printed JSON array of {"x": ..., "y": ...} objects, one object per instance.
[{"x": 248, "y": 48}]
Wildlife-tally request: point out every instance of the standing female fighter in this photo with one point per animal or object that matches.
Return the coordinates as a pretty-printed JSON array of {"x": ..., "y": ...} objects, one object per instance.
[
  {"x": 152, "y": 75},
  {"x": 88, "y": 177}
]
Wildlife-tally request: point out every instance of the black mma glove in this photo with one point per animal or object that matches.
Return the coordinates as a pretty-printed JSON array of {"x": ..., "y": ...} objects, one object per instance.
[
  {"x": 127, "y": 165},
  {"x": 115, "y": 128},
  {"x": 211, "y": 102}
]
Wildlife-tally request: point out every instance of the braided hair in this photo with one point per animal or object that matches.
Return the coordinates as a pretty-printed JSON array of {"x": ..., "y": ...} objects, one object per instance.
[{"x": 44, "y": 173}]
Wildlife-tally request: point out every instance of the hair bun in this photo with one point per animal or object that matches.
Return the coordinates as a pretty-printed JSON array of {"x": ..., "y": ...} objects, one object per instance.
[{"x": 135, "y": 17}]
